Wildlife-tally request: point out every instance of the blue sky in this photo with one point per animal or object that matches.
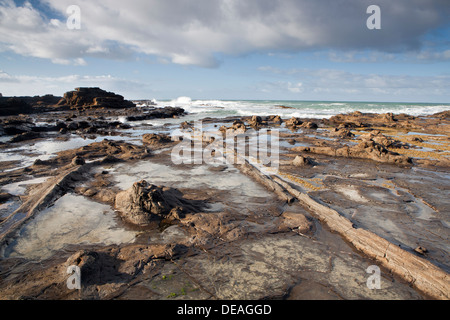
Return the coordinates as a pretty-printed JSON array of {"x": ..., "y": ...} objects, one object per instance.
[{"x": 229, "y": 49}]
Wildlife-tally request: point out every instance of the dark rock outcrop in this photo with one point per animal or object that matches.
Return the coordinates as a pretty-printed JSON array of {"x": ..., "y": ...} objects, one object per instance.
[
  {"x": 25, "y": 137},
  {"x": 256, "y": 122},
  {"x": 14, "y": 106},
  {"x": 364, "y": 150},
  {"x": 275, "y": 119},
  {"x": 78, "y": 161},
  {"x": 26, "y": 105},
  {"x": 379, "y": 138},
  {"x": 310, "y": 125},
  {"x": 342, "y": 133},
  {"x": 158, "y": 113},
  {"x": 238, "y": 127},
  {"x": 4, "y": 197},
  {"x": 17, "y": 125},
  {"x": 156, "y": 139},
  {"x": 296, "y": 221},
  {"x": 82, "y": 98},
  {"x": 442, "y": 115},
  {"x": 301, "y": 161},
  {"x": 294, "y": 123}
]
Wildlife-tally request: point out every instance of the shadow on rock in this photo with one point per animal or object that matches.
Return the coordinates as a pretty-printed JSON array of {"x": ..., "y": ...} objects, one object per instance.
[{"x": 98, "y": 268}]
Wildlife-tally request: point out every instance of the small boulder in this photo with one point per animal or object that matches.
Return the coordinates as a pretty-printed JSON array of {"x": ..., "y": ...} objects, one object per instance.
[
  {"x": 298, "y": 222},
  {"x": 144, "y": 202},
  {"x": 185, "y": 125},
  {"x": 379, "y": 138},
  {"x": 155, "y": 139},
  {"x": 301, "y": 161},
  {"x": 310, "y": 125},
  {"x": 421, "y": 250},
  {"x": 78, "y": 161},
  {"x": 39, "y": 162},
  {"x": 255, "y": 122},
  {"x": 4, "y": 197},
  {"x": 416, "y": 139},
  {"x": 94, "y": 97},
  {"x": 389, "y": 117},
  {"x": 239, "y": 126},
  {"x": 275, "y": 119},
  {"x": 294, "y": 123},
  {"x": 72, "y": 126},
  {"x": 25, "y": 136},
  {"x": 343, "y": 133}
]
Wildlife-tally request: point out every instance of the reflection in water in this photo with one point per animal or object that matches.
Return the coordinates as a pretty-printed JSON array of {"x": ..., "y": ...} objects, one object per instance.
[{"x": 72, "y": 220}]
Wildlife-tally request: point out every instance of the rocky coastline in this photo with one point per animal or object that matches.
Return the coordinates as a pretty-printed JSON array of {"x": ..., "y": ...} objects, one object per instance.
[{"x": 349, "y": 192}]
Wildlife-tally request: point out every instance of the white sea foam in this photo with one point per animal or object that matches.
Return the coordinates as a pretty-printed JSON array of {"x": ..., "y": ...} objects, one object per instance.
[
  {"x": 305, "y": 109},
  {"x": 183, "y": 100}
]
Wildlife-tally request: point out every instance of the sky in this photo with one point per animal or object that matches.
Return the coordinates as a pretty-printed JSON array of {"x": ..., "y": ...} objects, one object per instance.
[{"x": 229, "y": 49}]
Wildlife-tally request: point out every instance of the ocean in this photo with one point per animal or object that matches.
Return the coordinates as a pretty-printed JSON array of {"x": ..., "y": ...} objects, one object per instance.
[{"x": 300, "y": 109}]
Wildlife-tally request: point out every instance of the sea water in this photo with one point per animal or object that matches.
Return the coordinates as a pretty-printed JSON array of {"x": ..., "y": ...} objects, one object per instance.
[
  {"x": 72, "y": 220},
  {"x": 300, "y": 109}
]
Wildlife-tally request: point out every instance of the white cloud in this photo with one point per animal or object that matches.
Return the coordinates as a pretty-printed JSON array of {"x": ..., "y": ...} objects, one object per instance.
[
  {"x": 429, "y": 55},
  {"x": 338, "y": 84},
  {"x": 295, "y": 88},
  {"x": 192, "y": 32}
]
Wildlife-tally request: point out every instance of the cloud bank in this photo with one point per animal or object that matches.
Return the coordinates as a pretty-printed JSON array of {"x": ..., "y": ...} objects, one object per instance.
[
  {"x": 330, "y": 82},
  {"x": 18, "y": 85},
  {"x": 194, "y": 32}
]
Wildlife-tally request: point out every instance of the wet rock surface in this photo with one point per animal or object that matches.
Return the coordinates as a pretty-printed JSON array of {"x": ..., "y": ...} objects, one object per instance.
[
  {"x": 215, "y": 231},
  {"x": 94, "y": 98},
  {"x": 157, "y": 113},
  {"x": 364, "y": 150},
  {"x": 294, "y": 123},
  {"x": 156, "y": 139},
  {"x": 238, "y": 127}
]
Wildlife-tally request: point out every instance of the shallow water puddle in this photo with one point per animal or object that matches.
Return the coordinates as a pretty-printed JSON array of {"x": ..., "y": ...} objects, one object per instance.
[
  {"x": 352, "y": 193},
  {"x": 19, "y": 188},
  {"x": 230, "y": 179},
  {"x": 422, "y": 211},
  {"x": 72, "y": 220},
  {"x": 268, "y": 266},
  {"x": 396, "y": 214},
  {"x": 51, "y": 147},
  {"x": 47, "y": 149}
]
